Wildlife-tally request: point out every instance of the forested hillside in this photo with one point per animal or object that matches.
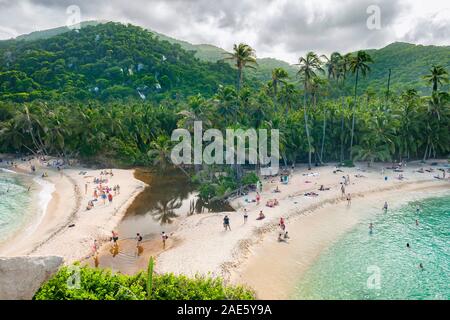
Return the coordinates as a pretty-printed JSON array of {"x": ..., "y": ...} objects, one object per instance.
[
  {"x": 408, "y": 62},
  {"x": 105, "y": 61}
]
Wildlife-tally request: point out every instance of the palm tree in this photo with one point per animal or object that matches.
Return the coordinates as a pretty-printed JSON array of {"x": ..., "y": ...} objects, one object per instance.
[
  {"x": 358, "y": 64},
  {"x": 288, "y": 96},
  {"x": 309, "y": 65},
  {"x": 279, "y": 76},
  {"x": 343, "y": 69},
  {"x": 160, "y": 151},
  {"x": 334, "y": 66},
  {"x": 244, "y": 56},
  {"x": 438, "y": 76},
  {"x": 226, "y": 101}
]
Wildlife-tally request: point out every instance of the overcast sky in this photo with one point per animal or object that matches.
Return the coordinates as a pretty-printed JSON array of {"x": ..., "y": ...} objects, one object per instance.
[{"x": 283, "y": 29}]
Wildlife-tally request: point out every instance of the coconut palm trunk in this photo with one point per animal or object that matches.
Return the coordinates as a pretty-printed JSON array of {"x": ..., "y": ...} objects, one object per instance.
[
  {"x": 305, "y": 114},
  {"x": 355, "y": 104}
]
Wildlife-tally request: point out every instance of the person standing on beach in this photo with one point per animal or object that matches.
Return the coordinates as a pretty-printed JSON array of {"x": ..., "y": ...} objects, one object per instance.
[
  {"x": 245, "y": 215},
  {"x": 349, "y": 199},
  {"x": 95, "y": 247},
  {"x": 258, "y": 197},
  {"x": 138, "y": 240},
  {"x": 371, "y": 228},
  {"x": 115, "y": 236},
  {"x": 348, "y": 179},
  {"x": 417, "y": 222},
  {"x": 282, "y": 225},
  {"x": 164, "y": 237},
  {"x": 110, "y": 198},
  {"x": 342, "y": 191},
  {"x": 385, "y": 207},
  {"x": 85, "y": 188},
  {"x": 226, "y": 223}
]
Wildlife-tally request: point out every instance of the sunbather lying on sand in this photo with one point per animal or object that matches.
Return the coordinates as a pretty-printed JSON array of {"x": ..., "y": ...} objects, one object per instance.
[
  {"x": 312, "y": 174},
  {"x": 322, "y": 188},
  {"x": 272, "y": 203},
  {"x": 311, "y": 194}
]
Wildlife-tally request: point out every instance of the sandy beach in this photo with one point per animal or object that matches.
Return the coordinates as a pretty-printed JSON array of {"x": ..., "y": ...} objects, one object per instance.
[
  {"x": 66, "y": 228},
  {"x": 247, "y": 253},
  {"x": 200, "y": 245}
]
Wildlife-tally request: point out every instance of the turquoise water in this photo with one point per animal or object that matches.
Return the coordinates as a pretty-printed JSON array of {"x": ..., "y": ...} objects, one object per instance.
[
  {"x": 15, "y": 202},
  {"x": 343, "y": 271}
]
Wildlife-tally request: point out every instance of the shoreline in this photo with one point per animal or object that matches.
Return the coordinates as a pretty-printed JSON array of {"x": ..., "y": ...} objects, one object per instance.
[
  {"x": 205, "y": 248},
  {"x": 52, "y": 234},
  {"x": 200, "y": 245},
  {"x": 312, "y": 233}
]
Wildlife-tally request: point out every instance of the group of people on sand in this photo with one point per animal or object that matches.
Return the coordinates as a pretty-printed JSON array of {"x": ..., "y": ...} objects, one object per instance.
[
  {"x": 282, "y": 233},
  {"x": 114, "y": 249},
  {"x": 104, "y": 192}
]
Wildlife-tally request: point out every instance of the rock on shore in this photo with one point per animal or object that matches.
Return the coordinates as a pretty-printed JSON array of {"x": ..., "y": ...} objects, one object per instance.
[{"x": 21, "y": 277}]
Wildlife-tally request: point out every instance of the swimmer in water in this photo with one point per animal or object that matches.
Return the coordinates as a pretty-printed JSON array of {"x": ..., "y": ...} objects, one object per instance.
[
  {"x": 417, "y": 222},
  {"x": 407, "y": 245},
  {"x": 421, "y": 266}
]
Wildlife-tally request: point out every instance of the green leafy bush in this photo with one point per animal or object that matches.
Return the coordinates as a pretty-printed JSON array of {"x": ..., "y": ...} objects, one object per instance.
[{"x": 98, "y": 284}]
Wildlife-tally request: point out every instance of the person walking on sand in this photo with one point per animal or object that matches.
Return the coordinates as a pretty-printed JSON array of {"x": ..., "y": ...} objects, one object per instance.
[
  {"x": 104, "y": 197},
  {"x": 95, "y": 247},
  {"x": 258, "y": 197},
  {"x": 342, "y": 191},
  {"x": 226, "y": 223},
  {"x": 245, "y": 215},
  {"x": 164, "y": 238},
  {"x": 115, "y": 236},
  {"x": 110, "y": 198},
  {"x": 282, "y": 225},
  {"x": 348, "y": 179},
  {"x": 349, "y": 199},
  {"x": 138, "y": 240}
]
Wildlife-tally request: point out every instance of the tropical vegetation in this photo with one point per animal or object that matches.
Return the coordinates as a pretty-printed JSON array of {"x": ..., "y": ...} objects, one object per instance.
[
  {"x": 86, "y": 283},
  {"x": 328, "y": 112}
]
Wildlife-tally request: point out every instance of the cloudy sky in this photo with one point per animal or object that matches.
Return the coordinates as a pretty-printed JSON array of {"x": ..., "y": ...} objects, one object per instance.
[{"x": 284, "y": 29}]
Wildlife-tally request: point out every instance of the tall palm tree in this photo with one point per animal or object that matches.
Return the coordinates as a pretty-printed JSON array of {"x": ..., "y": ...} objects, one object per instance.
[
  {"x": 309, "y": 66},
  {"x": 358, "y": 65},
  {"x": 279, "y": 76},
  {"x": 288, "y": 96},
  {"x": 437, "y": 76},
  {"x": 226, "y": 101},
  {"x": 244, "y": 56},
  {"x": 342, "y": 76},
  {"x": 334, "y": 66}
]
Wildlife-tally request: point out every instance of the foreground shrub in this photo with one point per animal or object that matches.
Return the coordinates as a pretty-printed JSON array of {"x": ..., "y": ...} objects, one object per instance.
[{"x": 86, "y": 283}]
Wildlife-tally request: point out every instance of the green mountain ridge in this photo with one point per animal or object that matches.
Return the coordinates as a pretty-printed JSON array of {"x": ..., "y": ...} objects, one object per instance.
[
  {"x": 129, "y": 61},
  {"x": 108, "y": 60}
]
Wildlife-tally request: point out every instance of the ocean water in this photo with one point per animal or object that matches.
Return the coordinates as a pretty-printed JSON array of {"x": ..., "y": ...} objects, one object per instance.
[
  {"x": 379, "y": 265},
  {"x": 15, "y": 203}
]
